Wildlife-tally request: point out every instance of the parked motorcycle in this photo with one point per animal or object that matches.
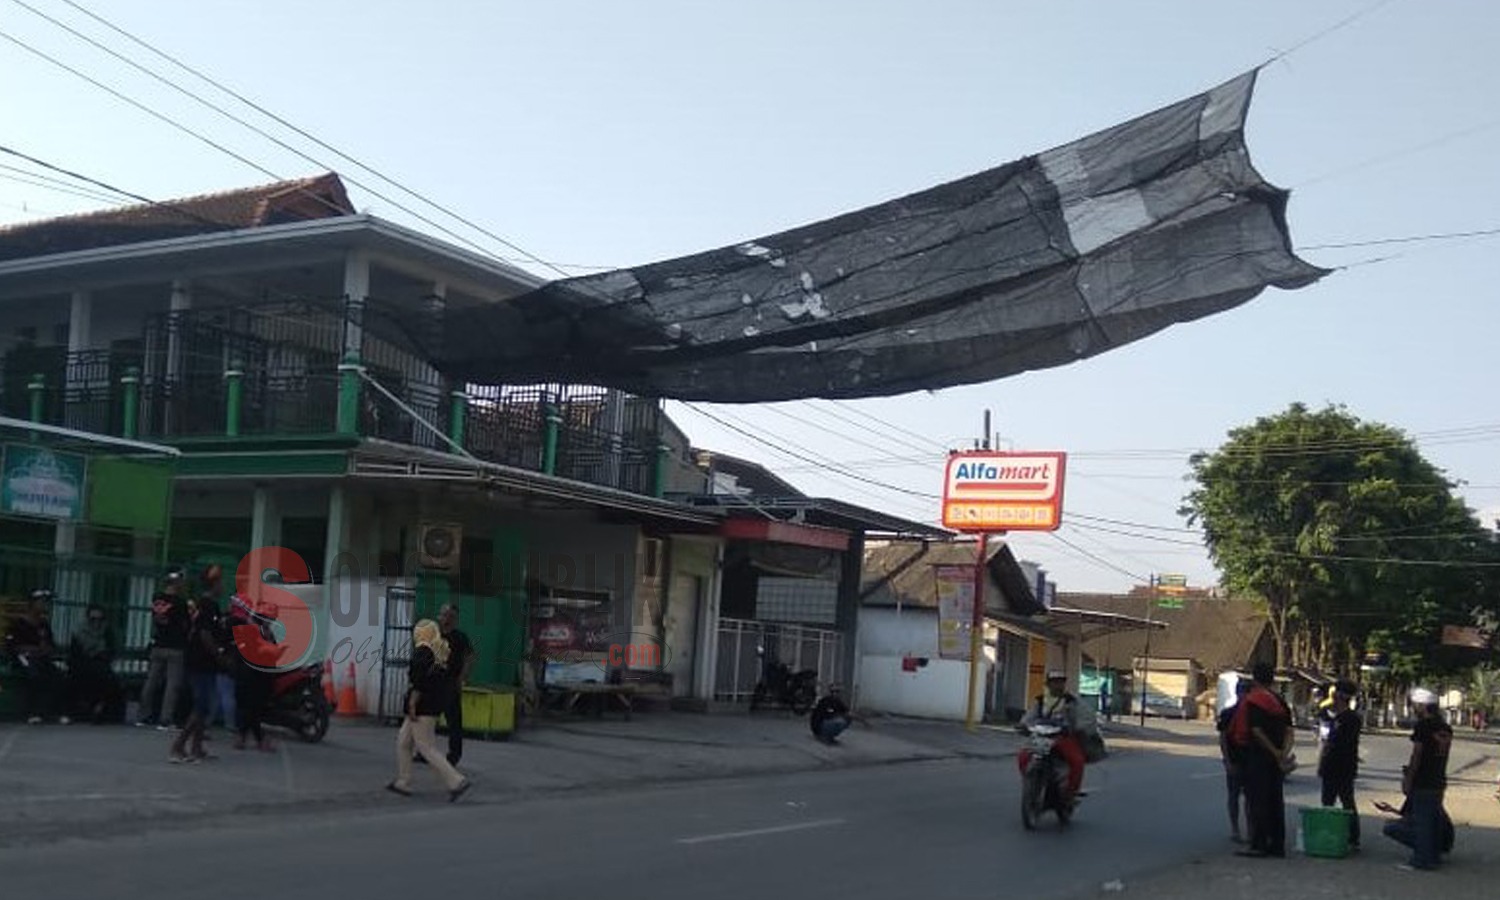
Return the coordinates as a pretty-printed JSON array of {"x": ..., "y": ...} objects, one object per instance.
[
  {"x": 781, "y": 686},
  {"x": 297, "y": 703},
  {"x": 1044, "y": 777}
]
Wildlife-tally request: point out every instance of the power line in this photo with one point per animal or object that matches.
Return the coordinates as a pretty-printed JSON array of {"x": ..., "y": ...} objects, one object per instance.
[{"x": 283, "y": 122}]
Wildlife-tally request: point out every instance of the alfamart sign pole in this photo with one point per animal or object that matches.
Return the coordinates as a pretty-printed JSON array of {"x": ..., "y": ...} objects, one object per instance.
[{"x": 987, "y": 492}]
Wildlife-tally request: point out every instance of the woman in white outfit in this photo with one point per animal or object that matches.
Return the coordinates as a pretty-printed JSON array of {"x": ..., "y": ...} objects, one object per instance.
[{"x": 432, "y": 683}]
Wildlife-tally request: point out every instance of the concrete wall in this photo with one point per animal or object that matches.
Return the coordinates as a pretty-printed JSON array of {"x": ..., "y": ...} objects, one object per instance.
[
  {"x": 938, "y": 690},
  {"x": 935, "y": 691}
]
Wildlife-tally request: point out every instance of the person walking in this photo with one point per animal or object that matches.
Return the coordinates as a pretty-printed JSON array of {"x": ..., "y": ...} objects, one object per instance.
[
  {"x": 203, "y": 659},
  {"x": 1262, "y": 731},
  {"x": 210, "y": 586},
  {"x": 1338, "y": 762},
  {"x": 430, "y": 684},
  {"x": 1424, "y": 780},
  {"x": 1234, "y": 764}
]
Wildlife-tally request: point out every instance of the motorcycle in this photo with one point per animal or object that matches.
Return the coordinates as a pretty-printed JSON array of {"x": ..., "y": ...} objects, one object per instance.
[
  {"x": 297, "y": 703},
  {"x": 782, "y": 686},
  {"x": 1044, "y": 777}
]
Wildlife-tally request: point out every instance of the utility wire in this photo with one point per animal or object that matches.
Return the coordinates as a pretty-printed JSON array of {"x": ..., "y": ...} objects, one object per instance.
[{"x": 285, "y": 123}]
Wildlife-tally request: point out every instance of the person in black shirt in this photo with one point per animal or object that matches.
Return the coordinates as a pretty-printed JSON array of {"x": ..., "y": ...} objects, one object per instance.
[
  {"x": 1424, "y": 779},
  {"x": 830, "y": 716},
  {"x": 461, "y": 661},
  {"x": 1338, "y": 765},
  {"x": 1234, "y": 764},
  {"x": 164, "y": 678},
  {"x": 431, "y": 684},
  {"x": 30, "y": 646}
]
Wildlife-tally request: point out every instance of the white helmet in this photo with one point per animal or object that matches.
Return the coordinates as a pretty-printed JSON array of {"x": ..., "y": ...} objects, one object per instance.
[
  {"x": 1423, "y": 697},
  {"x": 1057, "y": 675}
]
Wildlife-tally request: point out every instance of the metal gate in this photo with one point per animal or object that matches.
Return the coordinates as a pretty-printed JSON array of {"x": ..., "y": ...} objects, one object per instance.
[
  {"x": 395, "y": 660},
  {"x": 799, "y": 646}
]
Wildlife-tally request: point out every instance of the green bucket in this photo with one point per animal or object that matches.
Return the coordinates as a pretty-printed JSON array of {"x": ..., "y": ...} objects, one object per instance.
[{"x": 1325, "y": 831}]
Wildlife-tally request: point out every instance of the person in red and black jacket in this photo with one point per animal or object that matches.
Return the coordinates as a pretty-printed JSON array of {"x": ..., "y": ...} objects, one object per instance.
[{"x": 1262, "y": 735}]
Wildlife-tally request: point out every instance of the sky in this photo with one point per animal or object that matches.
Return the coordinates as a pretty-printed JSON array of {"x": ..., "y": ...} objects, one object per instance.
[{"x": 593, "y": 135}]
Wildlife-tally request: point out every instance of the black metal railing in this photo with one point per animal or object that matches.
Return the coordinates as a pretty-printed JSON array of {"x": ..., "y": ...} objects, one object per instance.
[{"x": 287, "y": 358}]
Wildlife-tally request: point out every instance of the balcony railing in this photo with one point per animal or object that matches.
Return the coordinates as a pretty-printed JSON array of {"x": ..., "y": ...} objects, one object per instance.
[{"x": 259, "y": 373}]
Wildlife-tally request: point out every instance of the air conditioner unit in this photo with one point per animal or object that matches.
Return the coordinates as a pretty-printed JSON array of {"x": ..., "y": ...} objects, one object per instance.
[{"x": 438, "y": 545}]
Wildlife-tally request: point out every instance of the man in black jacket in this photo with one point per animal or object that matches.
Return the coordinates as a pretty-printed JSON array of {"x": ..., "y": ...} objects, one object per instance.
[{"x": 169, "y": 639}]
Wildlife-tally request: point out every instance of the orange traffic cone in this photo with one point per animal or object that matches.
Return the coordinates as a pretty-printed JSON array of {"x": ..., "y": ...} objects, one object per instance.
[
  {"x": 348, "y": 696},
  {"x": 328, "y": 692}
]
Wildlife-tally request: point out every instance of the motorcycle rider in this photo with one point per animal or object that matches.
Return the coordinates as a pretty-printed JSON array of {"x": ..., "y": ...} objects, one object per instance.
[{"x": 1059, "y": 708}]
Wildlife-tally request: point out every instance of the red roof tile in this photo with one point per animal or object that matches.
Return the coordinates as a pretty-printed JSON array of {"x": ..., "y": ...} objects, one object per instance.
[{"x": 253, "y": 207}]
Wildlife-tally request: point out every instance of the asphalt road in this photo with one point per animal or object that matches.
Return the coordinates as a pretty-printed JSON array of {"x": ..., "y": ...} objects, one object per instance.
[{"x": 929, "y": 830}]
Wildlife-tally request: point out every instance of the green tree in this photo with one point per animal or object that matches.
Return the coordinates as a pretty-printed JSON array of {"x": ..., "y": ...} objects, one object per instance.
[{"x": 1347, "y": 533}]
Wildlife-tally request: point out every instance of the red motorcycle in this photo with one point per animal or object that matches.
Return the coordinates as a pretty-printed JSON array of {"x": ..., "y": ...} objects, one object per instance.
[{"x": 297, "y": 703}]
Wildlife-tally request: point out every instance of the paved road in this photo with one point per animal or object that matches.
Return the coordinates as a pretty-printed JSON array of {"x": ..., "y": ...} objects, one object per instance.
[{"x": 929, "y": 830}]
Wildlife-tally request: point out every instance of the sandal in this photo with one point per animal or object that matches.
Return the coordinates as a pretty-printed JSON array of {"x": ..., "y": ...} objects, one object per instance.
[
  {"x": 395, "y": 788},
  {"x": 459, "y": 791}
]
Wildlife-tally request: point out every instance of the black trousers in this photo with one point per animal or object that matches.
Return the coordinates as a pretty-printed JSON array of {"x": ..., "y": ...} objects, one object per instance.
[
  {"x": 252, "y": 691},
  {"x": 1340, "y": 786},
  {"x": 454, "y": 714},
  {"x": 1265, "y": 804}
]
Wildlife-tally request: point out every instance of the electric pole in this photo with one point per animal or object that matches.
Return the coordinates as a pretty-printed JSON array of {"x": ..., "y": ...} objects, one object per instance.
[
  {"x": 976, "y": 627},
  {"x": 1146, "y": 661}
]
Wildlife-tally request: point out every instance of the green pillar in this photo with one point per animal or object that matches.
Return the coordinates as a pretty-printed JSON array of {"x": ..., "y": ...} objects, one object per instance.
[
  {"x": 38, "y": 388},
  {"x": 663, "y": 456},
  {"x": 457, "y": 416},
  {"x": 234, "y": 386},
  {"x": 549, "y": 447},
  {"x": 349, "y": 394},
  {"x": 131, "y": 382}
]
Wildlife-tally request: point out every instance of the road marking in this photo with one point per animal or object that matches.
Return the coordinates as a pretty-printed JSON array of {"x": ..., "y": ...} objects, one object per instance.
[
  {"x": 757, "y": 832},
  {"x": 286, "y": 770},
  {"x": 66, "y": 798},
  {"x": 10, "y": 741}
]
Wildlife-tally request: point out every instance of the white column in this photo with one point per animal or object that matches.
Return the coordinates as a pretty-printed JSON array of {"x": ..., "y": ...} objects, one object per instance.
[
  {"x": 707, "y": 663},
  {"x": 356, "y": 291},
  {"x": 76, "y": 382},
  {"x": 265, "y": 520},
  {"x": 181, "y": 302}
]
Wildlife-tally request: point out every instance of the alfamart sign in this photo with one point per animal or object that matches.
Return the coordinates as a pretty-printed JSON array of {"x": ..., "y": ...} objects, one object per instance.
[
  {"x": 35, "y": 481},
  {"x": 992, "y": 491}
]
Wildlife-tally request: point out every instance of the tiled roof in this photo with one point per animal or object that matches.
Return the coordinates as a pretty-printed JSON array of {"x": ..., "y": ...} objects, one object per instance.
[
  {"x": 272, "y": 204},
  {"x": 1219, "y": 634},
  {"x": 902, "y": 571}
]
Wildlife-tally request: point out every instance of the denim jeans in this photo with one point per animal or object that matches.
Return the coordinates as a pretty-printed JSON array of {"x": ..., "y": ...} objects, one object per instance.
[
  {"x": 1421, "y": 828},
  {"x": 832, "y": 728}
]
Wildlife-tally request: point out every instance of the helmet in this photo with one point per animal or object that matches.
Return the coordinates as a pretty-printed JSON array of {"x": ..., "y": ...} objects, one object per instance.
[
  {"x": 1057, "y": 675},
  {"x": 174, "y": 575},
  {"x": 42, "y": 595},
  {"x": 1423, "y": 697}
]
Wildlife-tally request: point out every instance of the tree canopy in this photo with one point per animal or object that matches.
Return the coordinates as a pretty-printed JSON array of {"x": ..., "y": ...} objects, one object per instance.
[{"x": 1353, "y": 539}]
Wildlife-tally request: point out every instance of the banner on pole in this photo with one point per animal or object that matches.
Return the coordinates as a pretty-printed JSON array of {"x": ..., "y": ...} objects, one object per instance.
[{"x": 955, "y": 591}]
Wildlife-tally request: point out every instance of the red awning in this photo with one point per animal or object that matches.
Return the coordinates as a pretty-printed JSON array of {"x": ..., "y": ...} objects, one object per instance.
[{"x": 785, "y": 533}]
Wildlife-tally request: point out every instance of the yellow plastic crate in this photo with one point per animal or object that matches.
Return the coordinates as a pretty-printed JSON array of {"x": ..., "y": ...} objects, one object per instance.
[{"x": 488, "y": 711}]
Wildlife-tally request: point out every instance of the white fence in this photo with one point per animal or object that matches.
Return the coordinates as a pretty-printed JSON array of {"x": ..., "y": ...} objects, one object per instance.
[{"x": 799, "y": 646}]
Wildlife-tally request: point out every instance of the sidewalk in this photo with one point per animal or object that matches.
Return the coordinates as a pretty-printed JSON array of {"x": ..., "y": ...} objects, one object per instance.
[{"x": 83, "y": 781}]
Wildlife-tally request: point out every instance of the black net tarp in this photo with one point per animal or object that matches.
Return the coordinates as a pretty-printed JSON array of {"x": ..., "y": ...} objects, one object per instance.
[{"x": 1040, "y": 262}]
